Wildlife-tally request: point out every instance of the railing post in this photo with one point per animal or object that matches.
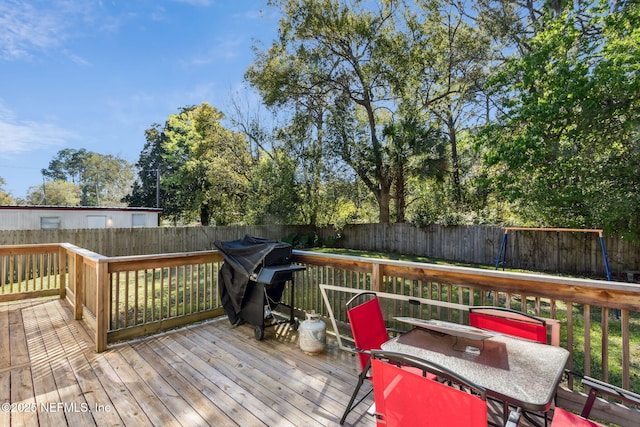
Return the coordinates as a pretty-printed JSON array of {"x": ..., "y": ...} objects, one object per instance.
[
  {"x": 102, "y": 304},
  {"x": 62, "y": 271},
  {"x": 78, "y": 284},
  {"x": 376, "y": 277}
]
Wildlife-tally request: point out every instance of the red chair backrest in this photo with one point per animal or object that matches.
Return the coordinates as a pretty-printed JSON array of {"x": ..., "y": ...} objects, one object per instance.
[
  {"x": 404, "y": 398},
  {"x": 524, "y": 328},
  {"x": 368, "y": 328},
  {"x": 562, "y": 418}
]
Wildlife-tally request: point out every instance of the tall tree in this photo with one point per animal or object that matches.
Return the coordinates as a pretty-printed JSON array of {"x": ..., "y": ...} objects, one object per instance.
[
  {"x": 451, "y": 91},
  {"x": 68, "y": 165},
  {"x": 103, "y": 179},
  {"x": 362, "y": 66},
  {"x": 202, "y": 166},
  {"x": 413, "y": 150},
  {"x": 181, "y": 186},
  {"x": 223, "y": 161},
  {"x": 302, "y": 146},
  {"x": 328, "y": 51},
  {"x": 273, "y": 193},
  {"x": 107, "y": 179}
]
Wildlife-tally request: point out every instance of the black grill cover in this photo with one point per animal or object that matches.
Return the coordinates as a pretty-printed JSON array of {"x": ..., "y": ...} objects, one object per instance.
[{"x": 243, "y": 258}]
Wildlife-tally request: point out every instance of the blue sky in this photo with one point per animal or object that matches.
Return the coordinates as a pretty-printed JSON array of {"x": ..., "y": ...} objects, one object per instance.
[{"x": 95, "y": 74}]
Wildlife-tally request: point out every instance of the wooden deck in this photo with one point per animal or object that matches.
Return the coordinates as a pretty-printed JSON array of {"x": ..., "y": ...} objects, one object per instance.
[{"x": 205, "y": 374}]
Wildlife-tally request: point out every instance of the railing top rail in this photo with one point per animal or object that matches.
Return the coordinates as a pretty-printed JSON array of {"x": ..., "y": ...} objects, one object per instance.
[
  {"x": 128, "y": 258},
  {"x": 531, "y": 277},
  {"x": 586, "y": 291},
  {"x": 124, "y": 263},
  {"x": 27, "y": 249}
]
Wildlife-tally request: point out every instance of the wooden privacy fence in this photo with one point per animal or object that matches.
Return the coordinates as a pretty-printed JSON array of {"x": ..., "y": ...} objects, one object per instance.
[
  {"x": 563, "y": 253},
  {"x": 547, "y": 251},
  {"x": 114, "y": 242},
  {"x": 126, "y": 297}
]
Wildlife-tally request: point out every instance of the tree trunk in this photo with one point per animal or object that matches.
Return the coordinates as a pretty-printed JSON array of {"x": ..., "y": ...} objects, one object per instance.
[
  {"x": 204, "y": 214},
  {"x": 453, "y": 141},
  {"x": 383, "y": 196},
  {"x": 400, "y": 195}
]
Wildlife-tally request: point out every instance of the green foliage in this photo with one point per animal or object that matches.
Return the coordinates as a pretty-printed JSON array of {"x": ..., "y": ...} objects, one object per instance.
[
  {"x": 55, "y": 193},
  {"x": 299, "y": 146},
  {"x": 427, "y": 111},
  {"x": 385, "y": 82},
  {"x": 273, "y": 193},
  {"x": 305, "y": 240},
  {"x": 202, "y": 167},
  {"x": 567, "y": 149},
  {"x": 290, "y": 238},
  {"x": 329, "y": 61},
  {"x": 224, "y": 162},
  {"x": 413, "y": 151},
  {"x": 104, "y": 180},
  {"x": 5, "y": 198}
]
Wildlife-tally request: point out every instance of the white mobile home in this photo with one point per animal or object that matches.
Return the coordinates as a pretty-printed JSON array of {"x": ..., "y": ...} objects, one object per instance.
[{"x": 74, "y": 217}]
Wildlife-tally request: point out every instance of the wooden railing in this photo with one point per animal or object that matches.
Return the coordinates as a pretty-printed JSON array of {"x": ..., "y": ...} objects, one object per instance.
[
  {"x": 28, "y": 271},
  {"x": 119, "y": 297},
  {"x": 153, "y": 293},
  {"x": 125, "y": 297},
  {"x": 597, "y": 317}
]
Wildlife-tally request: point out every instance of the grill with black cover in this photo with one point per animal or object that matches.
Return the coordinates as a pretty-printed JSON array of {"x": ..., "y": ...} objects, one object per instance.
[{"x": 252, "y": 280}]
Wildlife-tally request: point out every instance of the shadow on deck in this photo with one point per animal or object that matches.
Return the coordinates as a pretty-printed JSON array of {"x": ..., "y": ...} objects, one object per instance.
[{"x": 204, "y": 374}]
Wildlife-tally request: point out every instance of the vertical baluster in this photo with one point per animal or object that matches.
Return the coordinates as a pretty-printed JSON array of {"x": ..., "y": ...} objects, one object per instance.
[{"x": 587, "y": 339}]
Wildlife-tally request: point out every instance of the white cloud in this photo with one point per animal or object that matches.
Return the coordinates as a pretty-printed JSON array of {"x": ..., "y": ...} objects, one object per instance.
[
  {"x": 24, "y": 28},
  {"x": 77, "y": 59},
  {"x": 19, "y": 137},
  {"x": 29, "y": 27},
  {"x": 226, "y": 50}
]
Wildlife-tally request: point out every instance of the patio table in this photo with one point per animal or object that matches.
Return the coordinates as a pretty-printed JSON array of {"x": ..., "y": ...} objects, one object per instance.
[{"x": 522, "y": 373}]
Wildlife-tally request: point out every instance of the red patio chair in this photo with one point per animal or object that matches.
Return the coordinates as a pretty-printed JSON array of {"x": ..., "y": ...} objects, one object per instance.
[
  {"x": 404, "y": 398},
  {"x": 564, "y": 418},
  {"x": 369, "y": 333},
  {"x": 509, "y": 322},
  {"x": 517, "y": 324}
]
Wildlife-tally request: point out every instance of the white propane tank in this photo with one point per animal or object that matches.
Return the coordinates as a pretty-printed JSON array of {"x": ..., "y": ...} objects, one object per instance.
[{"x": 312, "y": 333}]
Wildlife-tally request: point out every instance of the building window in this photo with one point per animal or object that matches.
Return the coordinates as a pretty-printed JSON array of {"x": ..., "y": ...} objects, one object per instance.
[
  {"x": 96, "y": 221},
  {"x": 138, "y": 220},
  {"x": 49, "y": 222}
]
